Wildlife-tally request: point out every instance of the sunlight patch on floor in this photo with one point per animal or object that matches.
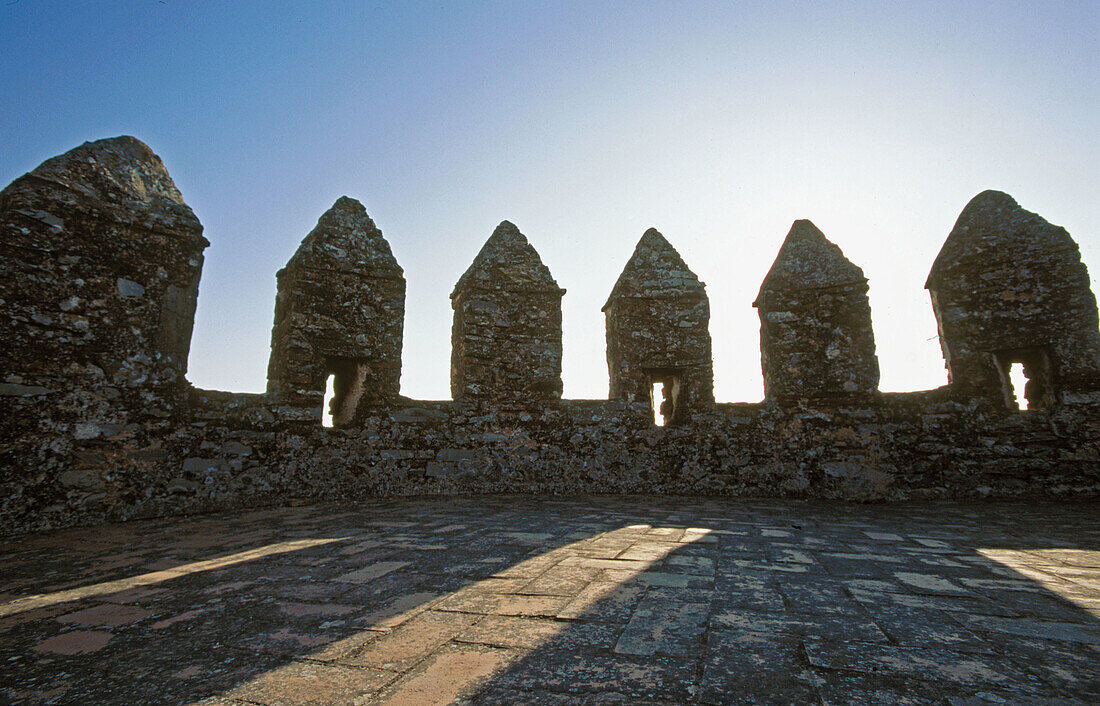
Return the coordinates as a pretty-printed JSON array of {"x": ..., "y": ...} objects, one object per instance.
[
  {"x": 1065, "y": 572},
  {"x": 395, "y": 632},
  {"x": 20, "y": 605}
]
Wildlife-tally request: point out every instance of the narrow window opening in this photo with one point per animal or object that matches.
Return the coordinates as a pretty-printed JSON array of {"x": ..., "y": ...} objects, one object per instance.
[
  {"x": 345, "y": 388},
  {"x": 1018, "y": 383},
  {"x": 664, "y": 393},
  {"x": 326, "y": 406},
  {"x": 1027, "y": 378},
  {"x": 657, "y": 396}
]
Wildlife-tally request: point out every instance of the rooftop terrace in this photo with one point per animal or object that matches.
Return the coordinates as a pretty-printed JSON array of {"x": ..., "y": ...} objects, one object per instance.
[{"x": 488, "y": 600}]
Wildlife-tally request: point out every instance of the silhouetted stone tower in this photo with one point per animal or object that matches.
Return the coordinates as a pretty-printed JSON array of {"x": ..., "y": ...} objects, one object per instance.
[
  {"x": 1008, "y": 287},
  {"x": 103, "y": 259},
  {"x": 506, "y": 339},
  {"x": 657, "y": 335},
  {"x": 816, "y": 340},
  {"x": 340, "y": 311}
]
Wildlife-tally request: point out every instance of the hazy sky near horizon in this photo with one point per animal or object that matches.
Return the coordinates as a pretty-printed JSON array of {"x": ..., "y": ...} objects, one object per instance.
[{"x": 584, "y": 123}]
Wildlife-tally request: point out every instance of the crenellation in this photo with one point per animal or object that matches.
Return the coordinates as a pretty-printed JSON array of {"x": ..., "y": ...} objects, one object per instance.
[
  {"x": 816, "y": 339},
  {"x": 340, "y": 312},
  {"x": 506, "y": 338},
  {"x": 99, "y": 273},
  {"x": 658, "y": 338}
]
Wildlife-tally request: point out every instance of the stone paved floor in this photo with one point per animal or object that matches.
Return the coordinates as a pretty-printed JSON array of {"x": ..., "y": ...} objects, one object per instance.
[{"x": 561, "y": 601}]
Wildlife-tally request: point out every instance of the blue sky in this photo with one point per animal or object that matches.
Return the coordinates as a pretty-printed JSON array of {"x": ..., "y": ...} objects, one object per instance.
[{"x": 584, "y": 123}]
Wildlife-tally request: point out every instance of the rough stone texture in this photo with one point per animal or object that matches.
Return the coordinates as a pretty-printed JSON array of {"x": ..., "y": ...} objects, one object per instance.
[
  {"x": 1009, "y": 287},
  {"x": 657, "y": 319},
  {"x": 340, "y": 311},
  {"x": 816, "y": 339},
  {"x": 99, "y": 272},
  {"x": 506, "y": 339},
  {"x": 563, "y": 601},
  {"x": 95, "y": 424}
]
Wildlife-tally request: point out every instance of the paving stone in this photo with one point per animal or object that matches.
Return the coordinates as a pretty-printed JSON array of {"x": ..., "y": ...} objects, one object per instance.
[
  {"x": 844, "y": 688},
  {"x": 667, "y": 623},
  {"x": 533, "y": 633},
  {"x": 561, "y": 581},
  {"x": 249, "y": 607},
  {"x": 73, "y": 643},
  {"x": 449, "y": 675},
  {"x": 497, "y": 604},
  {"x": 833, "y": 626},
  {"x": 371, "y": 572},
  {"x": 818, "y": 596},
  {"x": 1065, "y": 632},
  {"x": 578, "y": 672},
  {"x": 754, "y": 667},
  {"x": 913, "y": 627},
  {"x": 920, "y": 662},
  {"x": 302, "y": 683},
  {"x": 603, "y": 601}
]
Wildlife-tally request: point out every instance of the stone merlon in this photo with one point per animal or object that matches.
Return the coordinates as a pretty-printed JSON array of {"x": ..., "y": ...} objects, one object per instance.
[
  {"x": 656, "y": 270},
  {"x": 816, "y": 339},
  {"x": 506, "y": 336},
  {"x": 507, "y": 261},
  {"x": 339, "y": 311},
  {"x": 117, "y": 178},
  {"x": 1009, "y": 288},
  {"x": 658, "y": 335},
  {"x": 808, "y": 260}
]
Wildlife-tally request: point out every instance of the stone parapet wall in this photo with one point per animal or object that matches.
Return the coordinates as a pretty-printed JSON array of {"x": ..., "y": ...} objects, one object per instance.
[
  {"x": 98, "y": 283},
  {"x": 239, "y": 451}
]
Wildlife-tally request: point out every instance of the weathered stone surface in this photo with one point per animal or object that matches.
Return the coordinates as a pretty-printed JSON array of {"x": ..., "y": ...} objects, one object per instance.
[
  {"x": 501, "y": 600},
  {"x": 340, "y": 311},
  {"x": 101, "y": 271},
  {"x": 657, "y": 333},
  {"x": 506, "y": 339},
  {"x": 816, "y": 339},
  {"x": 97, "y": 422},
  {"x": 1009, "y": 287}
]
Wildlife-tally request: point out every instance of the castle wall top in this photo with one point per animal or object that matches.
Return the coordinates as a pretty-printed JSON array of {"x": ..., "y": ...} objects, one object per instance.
[
  {"x": 656, "y": 270},
  {"x": 118, "y": 179},
  {"x": 507, "y": 262},
  {"x": 347, "y": 240}
]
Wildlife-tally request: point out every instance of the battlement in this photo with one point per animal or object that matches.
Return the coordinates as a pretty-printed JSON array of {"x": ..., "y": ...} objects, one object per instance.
[{"x": 101, "y": 263}]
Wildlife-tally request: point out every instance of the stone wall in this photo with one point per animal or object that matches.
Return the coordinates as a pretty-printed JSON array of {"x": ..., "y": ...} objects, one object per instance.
[
  {"x": 97, "y": 423},
  {"x": 340, "y": 312},
  {"x": 657, "y": 333},
  {"x": 816, "y": 340},
  {"x": 506, "y": 338}
]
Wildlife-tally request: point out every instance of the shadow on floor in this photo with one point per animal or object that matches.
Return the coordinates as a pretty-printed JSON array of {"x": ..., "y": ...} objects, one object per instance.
[{"x": 588, "y": 600}]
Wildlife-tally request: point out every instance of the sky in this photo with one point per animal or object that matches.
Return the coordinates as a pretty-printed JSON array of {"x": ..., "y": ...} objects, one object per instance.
[{"x": 584, "y": 123}]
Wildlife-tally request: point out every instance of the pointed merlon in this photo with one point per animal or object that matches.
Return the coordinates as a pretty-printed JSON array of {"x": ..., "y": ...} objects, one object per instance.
[
  {"x": 1009, "y": 287},
  {"x": 809, "y": 260},
  {"x": 104, "y": 229},
  {"x": 655, "y": 270},
  {"x": 993, "y": 227},
  {"x": 507, "y": 261},
  {"x": 339, "y": 311},
  {"x": 346, "y": 240},
  {"x": 117, "y": 178}
]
